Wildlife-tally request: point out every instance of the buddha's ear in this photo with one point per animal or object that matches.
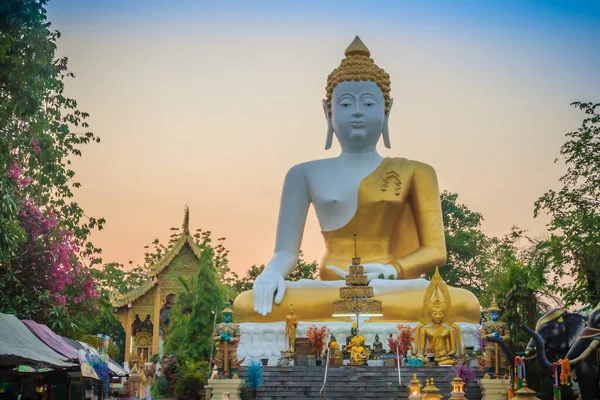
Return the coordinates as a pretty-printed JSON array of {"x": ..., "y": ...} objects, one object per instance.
[
  {"x": 386, "y": 128},
  {"x": 329, "y": 138}
]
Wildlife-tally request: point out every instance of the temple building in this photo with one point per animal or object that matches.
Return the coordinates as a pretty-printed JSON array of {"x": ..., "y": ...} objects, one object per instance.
[{"x": 144, "y": 312}]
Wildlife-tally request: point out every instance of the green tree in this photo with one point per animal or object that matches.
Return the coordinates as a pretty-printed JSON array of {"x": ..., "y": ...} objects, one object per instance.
[
  {"x": 192, "y": 315},
  {"x": 303, "y": 270},
  {"x": 575, "y": 212},
  {"x": 43, "y": 232},
  {"x": 467, "y": 246},
  {"x": 518, "y": 279}
]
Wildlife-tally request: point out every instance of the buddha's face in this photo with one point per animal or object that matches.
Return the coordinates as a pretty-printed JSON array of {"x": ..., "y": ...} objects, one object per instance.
[
  {"x": 358, "y": 115},
  {"x": 437, "y": 315}
]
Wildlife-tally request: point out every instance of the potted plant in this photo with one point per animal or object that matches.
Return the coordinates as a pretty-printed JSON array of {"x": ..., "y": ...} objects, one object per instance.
[
  {"x": 405, "y": 340},
  {"x": 317, "y": 341},
  {"x": 255, "y": 373}
]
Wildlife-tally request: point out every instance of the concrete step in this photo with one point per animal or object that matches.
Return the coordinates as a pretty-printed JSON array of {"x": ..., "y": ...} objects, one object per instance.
[{"x": 351, "y": 382}]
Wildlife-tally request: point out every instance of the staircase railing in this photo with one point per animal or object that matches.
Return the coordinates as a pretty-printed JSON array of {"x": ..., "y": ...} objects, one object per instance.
[{"x": 322, "y": 391}]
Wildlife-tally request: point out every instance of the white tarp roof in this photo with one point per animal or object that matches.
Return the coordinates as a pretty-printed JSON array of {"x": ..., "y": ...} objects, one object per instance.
[{"x": 18, "y": 345}]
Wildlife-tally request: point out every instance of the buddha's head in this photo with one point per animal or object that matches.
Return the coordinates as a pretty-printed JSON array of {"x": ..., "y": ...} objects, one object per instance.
[
  {"x": 376, "y": 337},
  {"x": 437, "y": 309},
  {"x": 291, "y": 308},
  {"x": 358, "y": 101}
]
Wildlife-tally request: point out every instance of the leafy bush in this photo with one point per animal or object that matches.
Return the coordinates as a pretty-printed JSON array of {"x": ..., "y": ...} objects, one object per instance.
[
  {"x": 190, "y": 385},
  {"x": 160, "y": 388}
]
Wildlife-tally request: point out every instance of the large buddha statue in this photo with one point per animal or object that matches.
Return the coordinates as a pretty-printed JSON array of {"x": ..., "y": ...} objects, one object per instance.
[{"x": 393, "y": 205}]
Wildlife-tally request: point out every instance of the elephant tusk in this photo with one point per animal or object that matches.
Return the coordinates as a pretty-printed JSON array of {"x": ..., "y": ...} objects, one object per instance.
[{"x": 586, "y": 352}]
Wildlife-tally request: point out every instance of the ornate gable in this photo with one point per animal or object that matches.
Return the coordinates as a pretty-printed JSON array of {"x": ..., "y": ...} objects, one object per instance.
[{"x": 180, "y": 260}]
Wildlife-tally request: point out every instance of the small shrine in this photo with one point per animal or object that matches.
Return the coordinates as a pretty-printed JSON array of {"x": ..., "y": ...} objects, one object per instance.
[{"x": 144, "y": 312}]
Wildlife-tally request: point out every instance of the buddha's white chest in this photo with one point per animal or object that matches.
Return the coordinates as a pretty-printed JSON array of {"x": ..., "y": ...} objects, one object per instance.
[{"x": 333, "y": 190}]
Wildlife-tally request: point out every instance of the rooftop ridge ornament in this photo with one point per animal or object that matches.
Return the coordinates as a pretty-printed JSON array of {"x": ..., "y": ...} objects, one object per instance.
[{"x": 186, "y": 221}]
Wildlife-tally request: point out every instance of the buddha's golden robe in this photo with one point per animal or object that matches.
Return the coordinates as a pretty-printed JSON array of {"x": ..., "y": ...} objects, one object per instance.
[{"x": 398, "y": 221}]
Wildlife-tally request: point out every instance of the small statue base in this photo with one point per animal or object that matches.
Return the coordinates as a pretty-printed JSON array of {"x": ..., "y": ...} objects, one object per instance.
[
  {"x": 287, "y": 359},
  {"x": 494, "y": 389},
  {"x": 219, "y": 387}
]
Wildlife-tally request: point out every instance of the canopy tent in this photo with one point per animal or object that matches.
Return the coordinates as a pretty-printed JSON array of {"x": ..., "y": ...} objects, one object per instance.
[
  {"x": 18, "y": 345},
  {"x": 115, "y": 369},
  {"x": 52, "y": 340}
]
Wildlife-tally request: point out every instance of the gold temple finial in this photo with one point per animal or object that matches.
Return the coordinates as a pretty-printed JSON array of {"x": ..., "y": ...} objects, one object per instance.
[
  {"x": 186, "y": 221},
  {"x": 494, "y": 306},
  {"x": 356, "y": 259},
  {"x": 357, "y": 47}
]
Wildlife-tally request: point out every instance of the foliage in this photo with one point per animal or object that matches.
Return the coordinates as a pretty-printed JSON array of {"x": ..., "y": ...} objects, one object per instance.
[
  {"x": 303, "y": 270},
  {"x": 114, "y": 278},
  {"x": 317, "y": 338},
  {"x": 192, "y": 314},
  {"x": 170, "y": 369},
  {"x": 394, "y": 345},
  {"x": 160, "y": 388},
  {"x": 43, "y": 232},
  {"x": 466, "y": 246},
  {"x": 575, "y": 212},
  {"x": 465, "y": 372},
  {"x": 190, "y": 385},
  {"x": 518, "y": 279},
  {"x": 405, "y": 339},
  {"x": 254, "y": 379}
]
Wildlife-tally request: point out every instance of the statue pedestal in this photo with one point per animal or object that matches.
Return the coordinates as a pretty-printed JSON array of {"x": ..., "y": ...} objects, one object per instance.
[
  {"x": 494, "y": 389},
  {"x": 218, "y": 387},
  {"x": 268, "y": 339}
]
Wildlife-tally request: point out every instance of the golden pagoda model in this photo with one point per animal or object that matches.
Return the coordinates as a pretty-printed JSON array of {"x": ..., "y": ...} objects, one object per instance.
[
  {"x": 356, "y": 297},
  {"x": 525, "y": 393},
  {"x": 430, "y": 391}
]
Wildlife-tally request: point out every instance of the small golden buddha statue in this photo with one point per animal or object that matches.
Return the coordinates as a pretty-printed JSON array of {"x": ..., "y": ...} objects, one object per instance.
[
  {"x": 291, "y": 324},
  {"x": 359, "y": 354},
  {"x": 335, "y": 353},
  {"x": 392, "y": 203},
  {"x": 439, "y": 337}
]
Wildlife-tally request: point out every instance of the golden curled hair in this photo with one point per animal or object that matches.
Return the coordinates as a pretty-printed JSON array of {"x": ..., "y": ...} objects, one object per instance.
[
  {"x": 436, "y": 302},
  {"x": 358, "y": 66}
]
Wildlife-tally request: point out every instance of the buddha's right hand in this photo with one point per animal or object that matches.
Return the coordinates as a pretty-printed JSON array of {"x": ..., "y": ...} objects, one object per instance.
[{"x": 266, "y": 285}]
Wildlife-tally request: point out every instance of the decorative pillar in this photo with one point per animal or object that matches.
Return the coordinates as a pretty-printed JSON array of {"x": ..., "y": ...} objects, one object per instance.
[
  {"x": 156, "y": 324},
  {"x": 494, "y": 389},
  {"x": 128, "y": 323}
]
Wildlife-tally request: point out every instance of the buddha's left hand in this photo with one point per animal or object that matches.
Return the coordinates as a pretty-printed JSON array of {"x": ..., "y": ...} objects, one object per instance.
[{"x": 372, "y": 271}]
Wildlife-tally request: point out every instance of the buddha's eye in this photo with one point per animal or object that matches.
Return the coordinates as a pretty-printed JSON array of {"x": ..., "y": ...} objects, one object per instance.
[
  {"x": 369, "y": 104},
  {"x": 345, "y": 104}
]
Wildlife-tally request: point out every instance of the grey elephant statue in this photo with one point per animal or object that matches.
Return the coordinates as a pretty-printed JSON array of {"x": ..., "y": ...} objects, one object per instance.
[
  {"x": 558, "y": 328},
  {"x": 583, "y": 356}
]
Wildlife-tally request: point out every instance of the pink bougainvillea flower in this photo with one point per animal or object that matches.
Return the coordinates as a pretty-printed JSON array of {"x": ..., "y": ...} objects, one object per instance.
[{"x": 36, "y": 146}]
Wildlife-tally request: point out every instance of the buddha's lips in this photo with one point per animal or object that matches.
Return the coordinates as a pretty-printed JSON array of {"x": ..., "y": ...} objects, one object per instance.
[{"x": 357, "y": 124}]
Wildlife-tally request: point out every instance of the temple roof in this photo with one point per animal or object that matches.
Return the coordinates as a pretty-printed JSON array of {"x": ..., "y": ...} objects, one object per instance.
[{"x": 120, "y": 300}]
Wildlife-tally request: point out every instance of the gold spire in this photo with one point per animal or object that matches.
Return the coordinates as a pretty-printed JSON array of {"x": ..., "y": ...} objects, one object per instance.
[
  {"x": 494, "y": 306},
  {"x": 357, "y": 47},
  {"x": 186, "y": 221}
]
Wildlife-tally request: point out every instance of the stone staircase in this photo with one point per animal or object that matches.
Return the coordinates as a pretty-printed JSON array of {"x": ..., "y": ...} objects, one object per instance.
[{"x": 352, "y": 382}]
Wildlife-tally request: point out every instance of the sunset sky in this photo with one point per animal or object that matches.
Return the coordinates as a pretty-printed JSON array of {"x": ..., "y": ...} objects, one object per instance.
[{"x": 208, "y": 103}]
